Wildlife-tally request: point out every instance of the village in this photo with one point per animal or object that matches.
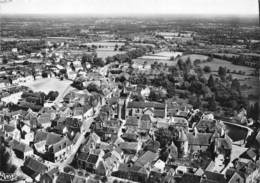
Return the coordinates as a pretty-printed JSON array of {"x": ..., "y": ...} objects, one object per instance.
[{"x": 155, "y": 107}]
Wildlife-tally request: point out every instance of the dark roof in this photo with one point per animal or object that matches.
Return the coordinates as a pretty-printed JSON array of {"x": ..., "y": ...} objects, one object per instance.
[
  {"x": 223, "y": 143},
  {"x": 65, "y": 178},
  {"x": 73, "y": 123},
  {"x": 44, "y": 118},
  {"x": 201, "y": 139},
  {"x": 40, "y": 136},
  {"x": 204, "y": 125},
  {"x": 249, "y": 154},
  {"x": 9, "y": 128},
  {"x": 130, "y": 137},
  {"x": 190, "y": 178},
  {"x": 147, "y": 157},
  {"x": 35, "y": 165},
  {"x": 53, "y": 138},
  {"x": 63, "y": 143},
  {"x": 159, "y": 113},
  {"x": 145, "y": 124},
  {"x": 131, "y": 121},
  {"x": 128, "y": 145},
  {"x": 20, "y": 146},
  {"x": 215, "y": 177},
  {"x": 143, "y": 105},
  {"x": 90, "y": 158}
]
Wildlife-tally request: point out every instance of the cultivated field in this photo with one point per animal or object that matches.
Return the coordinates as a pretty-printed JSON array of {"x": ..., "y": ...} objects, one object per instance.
[{"x": 216, "y": 63}]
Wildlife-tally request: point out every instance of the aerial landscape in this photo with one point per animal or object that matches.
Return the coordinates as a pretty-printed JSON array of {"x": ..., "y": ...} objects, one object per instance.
[{"x": 121, "y": 91}]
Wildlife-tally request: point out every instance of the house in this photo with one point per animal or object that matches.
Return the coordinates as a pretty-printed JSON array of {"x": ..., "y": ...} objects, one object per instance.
[
  {"x": 112, "y": 124},
  {"x": 27, "y": 136},
  {"x": 223, "y": 146},
  {"x": 136, "y": 109},
  {"x": 250, "y": 154},
  {"x": 49, "y": 176},
  {"x": 57, "y": 147},
  {"x": 34, "y": 168},
  {"x": 151, "y": 145},
  {"x": 146, "y": 159},
  {"x": 199, "y": 141},
  {"x": 66, "y": 113},
  {"x": 132, "y": 123},
  {"x": 65, "y": 178},
  {"x": 44, "y": 120},
  {"x": 187, "y": 177},
  {"x": 145, "y": 123},
  {"x": 236, "y": 178},
  {"x": 213, "y": 177},
  {"x": 40, "y": 141},
  {"x": 134, "y": 173},
  {"x": 130, "y": 136},
  {"x": 112, "y": 161},
  {"x": 69, "y": 126},
  {"x": 89, "y": 161},
  {"x": 78, "y": 113},
  {"x": 130, "y": 147},
  {"x": 21, "y": 150},
  {"x": 12, "y": 132}
]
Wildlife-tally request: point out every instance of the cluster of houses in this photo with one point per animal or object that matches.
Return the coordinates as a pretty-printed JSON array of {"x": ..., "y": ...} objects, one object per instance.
[{"x": 128, "y": 140}]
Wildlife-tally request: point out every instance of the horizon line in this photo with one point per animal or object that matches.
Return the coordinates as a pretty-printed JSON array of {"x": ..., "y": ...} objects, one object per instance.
[{"x": 132, "y": 15}]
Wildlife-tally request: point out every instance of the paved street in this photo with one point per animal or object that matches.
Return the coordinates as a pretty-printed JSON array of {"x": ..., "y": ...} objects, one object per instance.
[{"x": 85, "y": 129}]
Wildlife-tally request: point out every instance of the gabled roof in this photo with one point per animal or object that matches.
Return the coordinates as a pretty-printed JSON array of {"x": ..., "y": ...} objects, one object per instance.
[
  {"x": 20, "y": 146},
  {"x": 40, "y": 136},
  {"x": 63, "y": 143},
  {"x": 128, "y": 145},
  {"x": 35, "y": 165},
  {"x": 190, "y": 178},
  {"x": 44, "y": 118},
  {"x": 8, "y": 128},
  {"x": 159, "y": 113},
  {"x": 200, "y": 139},
  {"x": 249, "y": 154},
  {"x": 131, "y": 121},
  {"x": 130, "y": 137},
  {"x": 53, "y": 138},
  {"x": 65, "y": 178},
  {"x": 145, "y": 122},
  {"x": 147, "y": 157},
  {"x": 142, "y": 105},
  {"x": 214, "y": 177},
  {"x": 235, "y": 177},
  {"x": 89, "y": 158}
]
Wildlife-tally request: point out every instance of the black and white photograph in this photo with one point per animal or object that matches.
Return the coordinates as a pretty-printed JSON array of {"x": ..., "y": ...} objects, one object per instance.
[{"x": 129, "y": 91}]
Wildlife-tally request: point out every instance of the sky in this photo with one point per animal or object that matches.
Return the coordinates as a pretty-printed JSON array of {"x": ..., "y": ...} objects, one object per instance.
[{"x": 215, "y": 7}]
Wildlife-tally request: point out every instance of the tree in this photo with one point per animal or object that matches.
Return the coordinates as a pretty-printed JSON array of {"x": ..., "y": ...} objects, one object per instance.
[
  {"x": 98, "y": 62},
  {"x": 86, "y": 58},
  {"x": 52, "y": 95},
  {"x": 207, "y": 69},
  {"x": 170, "y": 89},
  {"x": 235, "y": 85},
  {"x": 212, "y": 105},
  {"x": 93, "y": 88},
  {"x": 222, "y": 72},
  {"x": 5, "y": 157},
  {"x": 211, "y": 82},
  {"x": 5, "y": 60},
  {"x": 164, "y": 137}
]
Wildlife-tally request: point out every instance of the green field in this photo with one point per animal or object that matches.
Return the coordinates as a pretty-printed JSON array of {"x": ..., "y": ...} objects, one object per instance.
[{"x": 216, "y": 63}]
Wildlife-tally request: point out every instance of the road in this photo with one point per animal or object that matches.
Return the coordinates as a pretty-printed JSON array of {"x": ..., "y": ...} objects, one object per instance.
[{"x": 85, "y": 129}]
